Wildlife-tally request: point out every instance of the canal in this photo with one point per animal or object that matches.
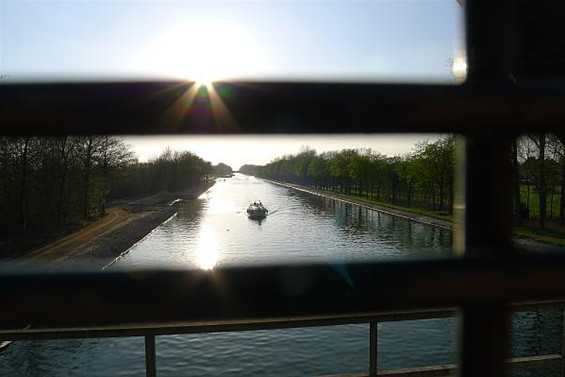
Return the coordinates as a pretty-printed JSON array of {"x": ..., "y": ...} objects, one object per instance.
[{"x": 301, "y": 228}]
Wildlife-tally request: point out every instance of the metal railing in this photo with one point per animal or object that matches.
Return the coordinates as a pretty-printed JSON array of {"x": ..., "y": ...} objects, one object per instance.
[
  {"x": 151, "y": 332},
  {"x": 489, "y": 276}
]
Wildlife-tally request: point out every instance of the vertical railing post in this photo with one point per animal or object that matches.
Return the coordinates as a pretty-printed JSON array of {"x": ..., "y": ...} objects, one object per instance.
[
  {"x": 563, "y": 345},
  {"x": 485, "y": 341},
  {"x": 488, "y": 216},
  {"x": 488, "y": 206},
  {"x": 373, "y": 348},
  {"x": 150, "y": 360}
]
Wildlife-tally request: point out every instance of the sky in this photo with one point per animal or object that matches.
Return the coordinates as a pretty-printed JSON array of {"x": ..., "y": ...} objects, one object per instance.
[
  {"x": 236, "y": 151},
  {"x": 375, "y": 41}
]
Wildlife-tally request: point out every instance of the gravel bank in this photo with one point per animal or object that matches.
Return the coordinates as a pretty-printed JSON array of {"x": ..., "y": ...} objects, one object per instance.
[
  {"x": 103, "y": 245},
  {"x": 110, "y": 248},
  {"x": 105, "y": 250}
]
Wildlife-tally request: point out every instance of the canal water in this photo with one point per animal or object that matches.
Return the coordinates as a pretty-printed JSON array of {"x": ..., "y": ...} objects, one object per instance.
[{"x": 301, "y": 228}]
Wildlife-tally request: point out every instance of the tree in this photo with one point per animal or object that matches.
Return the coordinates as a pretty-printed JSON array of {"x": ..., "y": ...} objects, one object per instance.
[
  {"x": 540, "y": 142},
  {"x": 437, "y": 161},
  {"x": 339, "y": 168},
  {"x": 359, "y": 168},
  {"x": 250, "y": 169},
  {"x": 428, "y": 171},
  {"x": 114, "y": 157},
  {"x": 223, "y": 170}
]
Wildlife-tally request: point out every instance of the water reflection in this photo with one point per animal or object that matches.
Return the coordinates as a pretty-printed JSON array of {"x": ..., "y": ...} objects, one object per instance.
[
  {"x": 207, "y": 249},
  {"x": 535, "y": 333},
  {"x": 214, "y": 230}
]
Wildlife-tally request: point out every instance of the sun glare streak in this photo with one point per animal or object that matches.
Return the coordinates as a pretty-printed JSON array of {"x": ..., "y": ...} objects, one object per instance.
[
  {"x": 203, "y": 52},
  {"x": 177, "y": 112},
  {"x": 225, "y": 120},
  {"x": 204, "y": 82},
  {"x": 207, "y": 251}
]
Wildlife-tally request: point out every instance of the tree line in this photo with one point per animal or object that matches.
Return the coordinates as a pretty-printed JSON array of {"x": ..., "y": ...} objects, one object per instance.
[
  {"x": 51, "y": 185},
  {"x": 538, "y": 165},
  {"x": 423, "y": 178},
  {"x": 171, "y": 171}
]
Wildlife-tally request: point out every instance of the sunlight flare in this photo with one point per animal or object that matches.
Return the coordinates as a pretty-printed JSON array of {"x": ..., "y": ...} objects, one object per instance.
[
  {"x": 177, "y": 112},
  {"x": 225, "y": 120},
  {"x": 209, "y": 101}
]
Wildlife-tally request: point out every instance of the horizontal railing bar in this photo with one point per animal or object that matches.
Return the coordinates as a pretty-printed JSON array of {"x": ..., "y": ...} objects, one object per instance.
[
  {"x": 279, "y": 107},
  {"x": 265, "y": 324},
  {"x": 230, "y": 294},
  {"x": 192, "y": 328},
  {"x": 530, "y": 361},
  {"x": 450, "y": 369}
]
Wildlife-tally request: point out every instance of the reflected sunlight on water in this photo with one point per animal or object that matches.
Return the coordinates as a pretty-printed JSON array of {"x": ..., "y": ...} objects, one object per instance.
[
  {"x": 214, "y": 232},
  {"x": 220, "y": 206},
  {"x": 207, "y": 249}
]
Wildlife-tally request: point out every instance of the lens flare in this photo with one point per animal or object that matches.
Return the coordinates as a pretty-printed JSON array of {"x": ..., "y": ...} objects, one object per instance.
[{"x": 459, "y": 68}]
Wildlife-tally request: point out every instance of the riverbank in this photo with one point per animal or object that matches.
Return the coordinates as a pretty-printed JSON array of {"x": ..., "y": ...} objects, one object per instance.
[
  {"x": 106, "y": 239},
  {"x": 445, "y": 224},
  {"x": 523, "y": 240}
]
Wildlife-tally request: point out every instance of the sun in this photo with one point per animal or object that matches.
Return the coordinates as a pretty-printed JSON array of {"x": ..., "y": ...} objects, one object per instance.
[{"x": 203, "y": 52}]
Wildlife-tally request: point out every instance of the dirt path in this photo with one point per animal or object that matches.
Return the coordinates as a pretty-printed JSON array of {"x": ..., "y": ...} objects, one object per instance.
[
  {"x": 75, "y": 244},
  {"x": 103, "y": 241}
]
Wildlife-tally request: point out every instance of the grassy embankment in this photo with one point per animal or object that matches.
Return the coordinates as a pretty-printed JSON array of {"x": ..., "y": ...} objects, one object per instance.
[
  {"x": 553, "y": 235},
  {"x": 417, "y": 211}
]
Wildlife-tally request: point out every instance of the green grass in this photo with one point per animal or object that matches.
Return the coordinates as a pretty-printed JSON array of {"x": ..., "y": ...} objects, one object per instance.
[
  {"x": 549, "y": 237},
  {"x": 534, "y": 202},
  {"x": 415, "y": 210},
  {"x": 553, "y": 237}
]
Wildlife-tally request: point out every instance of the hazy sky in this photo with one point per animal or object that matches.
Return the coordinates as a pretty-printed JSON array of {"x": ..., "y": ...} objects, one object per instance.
[
  {"x": 259, "y": 150},
  {"x": 305, "y": 40},
  {"x": 379, "y": 40}
]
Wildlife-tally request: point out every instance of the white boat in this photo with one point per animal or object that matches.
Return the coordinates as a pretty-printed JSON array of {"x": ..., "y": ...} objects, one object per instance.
[
  {"x": 257, "y": 211},
  {"x": 4, "y": 344}
]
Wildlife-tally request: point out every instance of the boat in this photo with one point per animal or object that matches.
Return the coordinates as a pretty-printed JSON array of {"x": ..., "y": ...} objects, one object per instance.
[
  {"x": 257, "y": 211},
  {"x": 4, "y": 344}
]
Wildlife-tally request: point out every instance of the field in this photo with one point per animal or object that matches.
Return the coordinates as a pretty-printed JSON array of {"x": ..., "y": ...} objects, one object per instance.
[{"x": 530, "y": 198}]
